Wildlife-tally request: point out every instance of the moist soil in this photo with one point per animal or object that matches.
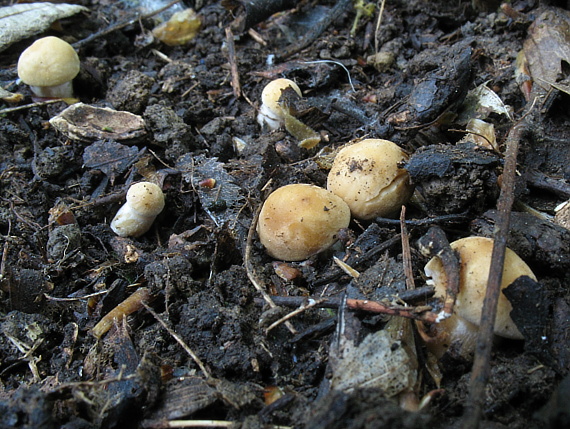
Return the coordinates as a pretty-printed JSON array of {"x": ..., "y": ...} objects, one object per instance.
[{"x": 195, "y": 340}]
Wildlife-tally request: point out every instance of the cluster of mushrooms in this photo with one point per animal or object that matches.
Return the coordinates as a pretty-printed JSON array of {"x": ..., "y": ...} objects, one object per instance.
[
  {"x": 366, "y": 181},
  {"x": 297, "y": 221}
]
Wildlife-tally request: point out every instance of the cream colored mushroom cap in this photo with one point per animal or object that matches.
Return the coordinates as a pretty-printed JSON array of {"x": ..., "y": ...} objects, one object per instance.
[
  {"x": 145, "y": 198},
  {"x": 49, "y": 61},
  {"x": 475, "y": 258},
  {"x": 273, "y": 90},
  {"x": 300, "y": 220},
  {"x": 367, "y": 177}
]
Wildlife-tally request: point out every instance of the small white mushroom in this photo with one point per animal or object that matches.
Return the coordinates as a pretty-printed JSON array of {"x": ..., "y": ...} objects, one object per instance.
[
  {"x": 49, "y": 66},
  {"x": 145, "y": 201},
  {"x": 271, "y": 114}
]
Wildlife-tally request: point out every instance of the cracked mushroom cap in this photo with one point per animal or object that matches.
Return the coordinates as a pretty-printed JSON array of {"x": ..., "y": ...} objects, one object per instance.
[
  {"x": 49, "y": 61},
  {"x": 300, "y": 220},
  {"x": 475, "y": 263}
]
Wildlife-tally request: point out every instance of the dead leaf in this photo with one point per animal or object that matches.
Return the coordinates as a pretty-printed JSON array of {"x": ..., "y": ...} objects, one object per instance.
[
  {"x": 84, "y": 122},
  {"x": 10, "y": 97},
  {"x": 480, "y": 102},
  {"x": 20, "y": 21},
  {"x": 224, "y": 200},
  {"x": 548, "y": 46},
  {"x": 111, "y": 158}
]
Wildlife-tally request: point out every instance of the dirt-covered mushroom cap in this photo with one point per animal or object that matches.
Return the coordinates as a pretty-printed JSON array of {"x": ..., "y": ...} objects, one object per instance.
[
  {"x": 145, "y": 200},
  {"x": 49, "y": 65},
  {"x": 300, "y": 220},
  {"x": 270, "y": 113},
  {"x": 475, "y": 262},
  {"x": 368, "y": 177}
]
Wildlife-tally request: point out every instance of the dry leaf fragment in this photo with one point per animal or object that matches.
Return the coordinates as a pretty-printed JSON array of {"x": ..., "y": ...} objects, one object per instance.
[
  {"x": 84, "y": 122},
  {"x": 20, "y": 21},
  {"x": 548, "y": 46},
  {"x": 110, "y": 157},
  {"x": 10, "y": 97}
]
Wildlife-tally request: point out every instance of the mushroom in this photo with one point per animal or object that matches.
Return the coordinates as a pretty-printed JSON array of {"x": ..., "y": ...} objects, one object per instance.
[
  {"x": 271, "y": 114},
  {"x": 300, "y": 220},
  {"x": 460, "y": 330},
  {"x": 367, "y": 176},
  {"x": 145, "y": 201},
  {"x": 48, "y": 66}
]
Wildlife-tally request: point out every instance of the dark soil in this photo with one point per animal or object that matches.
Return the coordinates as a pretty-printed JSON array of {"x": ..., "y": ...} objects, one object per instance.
[{"x": 62, "y": 267}]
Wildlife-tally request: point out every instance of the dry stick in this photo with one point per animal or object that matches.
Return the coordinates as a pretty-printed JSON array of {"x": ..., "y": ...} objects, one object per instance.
[
  {"x": 378, "y": 22},
  {"x": 406, "y": 253},
  {"x": 420, "y": 294},
  {"x": 251, "y": 271},
  {"x": 309, "y": 304},
  {"x": 481, "y": 365},
  {"x": 123, "y": 24},
  {"x": 180, "y": 341},
  {"x": 233, "y": 62},
  {"x": 422, "y": 313}
]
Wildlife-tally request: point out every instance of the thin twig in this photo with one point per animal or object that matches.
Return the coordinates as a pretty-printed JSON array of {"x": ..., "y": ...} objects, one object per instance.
[
  {"x": 29, "y": 106},
  {"x": 422, "y": 313},
  {"x": 481, "y": 365},
  {"x": 310, "y": 304},
  {"x": 378, "y": 22},
  {"x": 420, "y": 294},
  {"x": 180, "y": 341},
  {"x": 5, "y": 252},
  {"x": 236, "y": 86},
  {"x": 406, "y": 253}
]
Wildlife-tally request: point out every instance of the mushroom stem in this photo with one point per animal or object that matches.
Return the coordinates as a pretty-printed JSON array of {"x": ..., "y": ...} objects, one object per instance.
[{"x": 65, "y": 90}]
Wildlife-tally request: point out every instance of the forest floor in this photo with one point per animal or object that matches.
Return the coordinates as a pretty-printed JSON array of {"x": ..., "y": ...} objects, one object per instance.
[{"x": 196, "y": 341}]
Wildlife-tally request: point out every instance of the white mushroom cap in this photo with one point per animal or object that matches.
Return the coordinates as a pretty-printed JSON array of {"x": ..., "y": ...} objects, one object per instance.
[
  {"x": 48, "y": 62},
  {"x": 475, "y": 259},
  {"x": 300, "y": 220},
  {"x": 367, "y": 176},
  {"x": 145, "y": 201},
  {"x": 146, "y": 198},
  {"x": 271, "y": 112}
]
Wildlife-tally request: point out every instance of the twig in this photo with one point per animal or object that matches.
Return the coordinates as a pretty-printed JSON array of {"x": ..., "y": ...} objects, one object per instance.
[
  {"x": 422, "y": 313},
  {"x": 251, "y": 271},
  {"x": 5, "y": 252},
  {"x": 481, "y": 366},
  {"x": 413, "y": 296},
  {"x": 123, "y": 24},
  {"x": 180, "y": 341},
  {"x": 29, "y": 106},
  {"x": 201, "y": 424},
  {"x": 461, "y": 217},
  {"x": 406, "y": 253},
  {"x": 236, "y": 86},
  {"x": 309, "y": 304},
  {"x": 378, "y": 22}
]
